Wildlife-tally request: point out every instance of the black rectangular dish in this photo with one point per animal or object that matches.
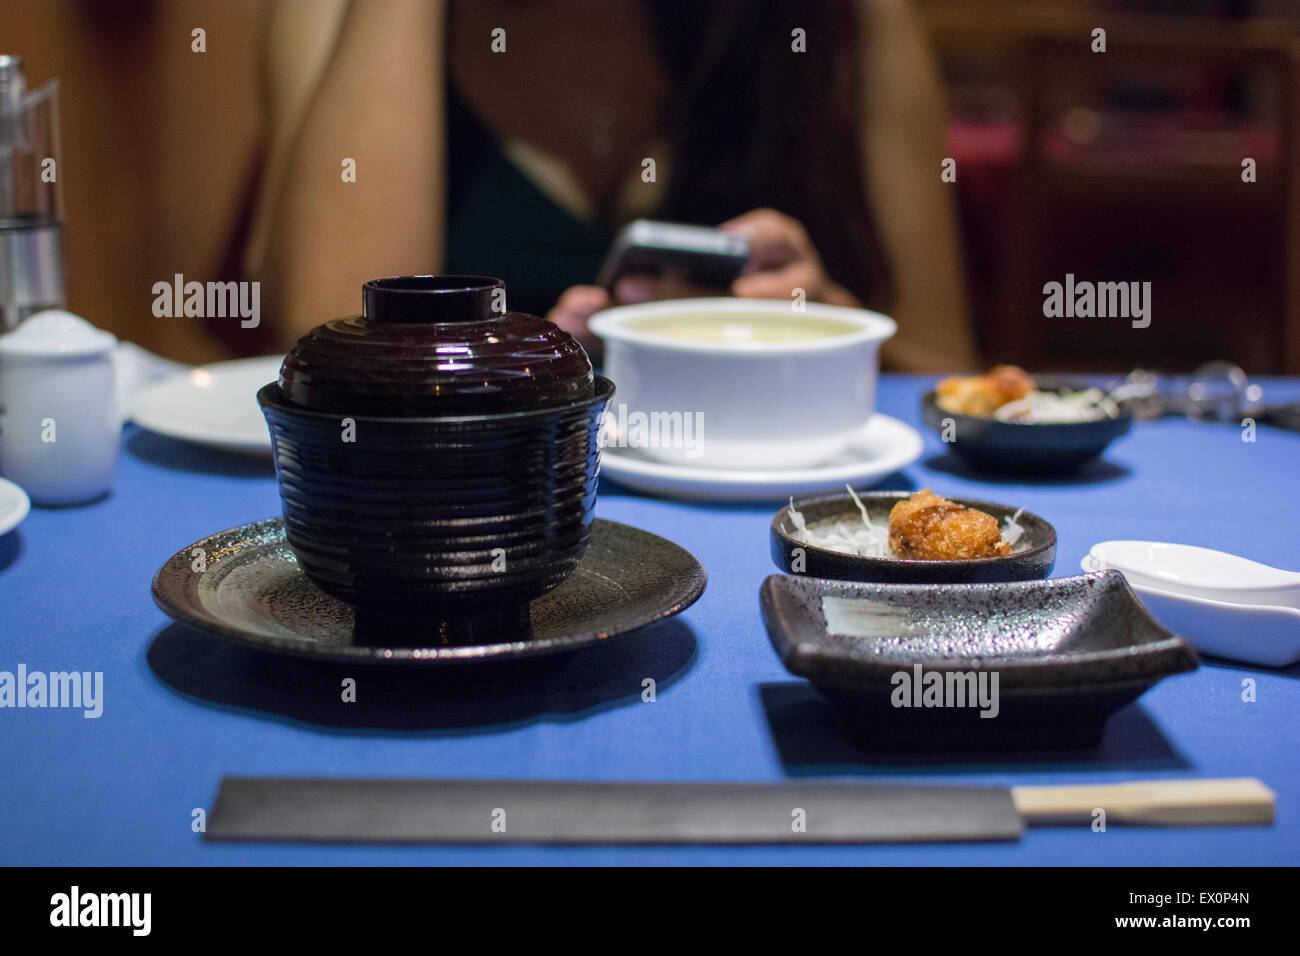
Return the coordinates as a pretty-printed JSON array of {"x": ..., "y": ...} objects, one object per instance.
[{"x": 1032, "y": 664}]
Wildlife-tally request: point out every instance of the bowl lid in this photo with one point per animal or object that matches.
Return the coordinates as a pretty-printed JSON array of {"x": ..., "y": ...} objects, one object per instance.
[{"x": 435, "y": 345}]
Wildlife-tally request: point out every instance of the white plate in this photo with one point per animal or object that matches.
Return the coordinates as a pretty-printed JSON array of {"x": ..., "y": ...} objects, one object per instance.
[
  {"x": 879, "y": 449},
  {"x": 14, "y": 505},
  {"x": 213, "y": 405}
]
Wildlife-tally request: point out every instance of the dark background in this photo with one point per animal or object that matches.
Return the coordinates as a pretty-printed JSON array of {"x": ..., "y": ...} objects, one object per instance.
[{"x": 1123, "y": 166}]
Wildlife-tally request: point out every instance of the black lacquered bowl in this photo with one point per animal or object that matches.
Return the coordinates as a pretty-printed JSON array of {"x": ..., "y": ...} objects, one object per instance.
[
  {"x": 451, "y": 523},
  {"x": 1017, "y": 448},
  {"x": 1033, "y": 561}
]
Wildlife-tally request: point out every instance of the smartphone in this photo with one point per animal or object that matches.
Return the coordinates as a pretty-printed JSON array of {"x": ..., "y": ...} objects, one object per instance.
[{"x": 694, "y": 255}]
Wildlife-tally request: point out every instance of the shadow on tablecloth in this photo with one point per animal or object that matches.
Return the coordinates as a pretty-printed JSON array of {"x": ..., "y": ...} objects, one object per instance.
[
  {"x": 1093, "y": 473},
  {"x": 176, "y": 455},
  {"x": 11, "y": 546},
  {"x": 424, "y": 699},
  {"x": 813, "y": 740}
]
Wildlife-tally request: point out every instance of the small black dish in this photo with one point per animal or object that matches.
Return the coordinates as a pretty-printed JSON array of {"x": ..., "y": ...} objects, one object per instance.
[
  {"x": 1024, "y": 449},
  {"x": 252, "y": 589},
  {"x": 1065, "y": 653},
  {"x": 790, "y": 554}
]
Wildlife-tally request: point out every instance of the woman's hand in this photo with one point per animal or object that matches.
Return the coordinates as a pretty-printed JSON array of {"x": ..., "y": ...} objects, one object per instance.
[
  {"x": 580, "y": 302},
  {"x": 782, "y": 259}
]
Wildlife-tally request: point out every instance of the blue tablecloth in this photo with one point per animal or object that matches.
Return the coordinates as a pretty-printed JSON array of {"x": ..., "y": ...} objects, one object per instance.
[{"x": 181, "y": 710}]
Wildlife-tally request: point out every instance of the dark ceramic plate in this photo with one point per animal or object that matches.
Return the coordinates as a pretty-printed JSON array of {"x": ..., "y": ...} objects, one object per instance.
[
  {"x": 1067, "y": 653},
  {"x": 1021, "y": 449},
  {"x": 253, "y": 591},
  {"x": 1033, "y": 562}
]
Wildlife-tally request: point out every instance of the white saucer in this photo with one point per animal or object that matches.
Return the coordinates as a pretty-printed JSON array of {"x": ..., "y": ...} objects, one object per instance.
[
  {"x": 879, "y": 449},
  {"x": 14, "y": 505},
  {"x": 214, "y": 405}
]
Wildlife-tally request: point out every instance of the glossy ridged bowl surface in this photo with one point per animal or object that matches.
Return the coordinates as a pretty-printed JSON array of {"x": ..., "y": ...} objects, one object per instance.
[
  {"x": 437, "y": 455},
  {"x": 444, "y": 515},
  {"x": 435, "y": 346}
]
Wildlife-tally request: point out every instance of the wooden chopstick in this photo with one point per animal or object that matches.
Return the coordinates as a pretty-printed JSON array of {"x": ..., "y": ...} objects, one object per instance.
[{"x": 1232, "y": 800}]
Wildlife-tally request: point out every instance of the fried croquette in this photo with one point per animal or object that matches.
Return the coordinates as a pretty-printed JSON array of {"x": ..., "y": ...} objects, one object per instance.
[
  {"x": 983, "y": 394},
  {"x": 927, "y": 527}
]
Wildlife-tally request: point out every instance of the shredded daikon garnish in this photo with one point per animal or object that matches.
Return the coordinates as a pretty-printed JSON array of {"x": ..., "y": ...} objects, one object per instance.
[
  {"x": 1012, "y": 530},
  {"x": 1043, "y": 408},
  {"x": 868, "y": 540},
  {"x": 796, "y": 518}
]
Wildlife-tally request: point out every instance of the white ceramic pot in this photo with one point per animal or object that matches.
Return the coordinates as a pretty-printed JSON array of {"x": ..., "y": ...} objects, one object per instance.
[
  {"x": 730, "y": 399},
  {"x": 60, "y": 429}
]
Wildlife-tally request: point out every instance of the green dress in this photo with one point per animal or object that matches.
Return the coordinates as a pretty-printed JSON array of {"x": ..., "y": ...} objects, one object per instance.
[{"x": 499, "y": 223}]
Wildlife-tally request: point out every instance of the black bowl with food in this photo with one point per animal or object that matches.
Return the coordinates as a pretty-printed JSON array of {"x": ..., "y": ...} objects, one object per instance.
[
  {"x": 1008, "y": 423},
  {"x": 911, "y": 538}
]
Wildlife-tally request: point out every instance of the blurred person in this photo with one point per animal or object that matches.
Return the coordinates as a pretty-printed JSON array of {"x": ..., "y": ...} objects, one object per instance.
[{"x": 522, "y": 161}]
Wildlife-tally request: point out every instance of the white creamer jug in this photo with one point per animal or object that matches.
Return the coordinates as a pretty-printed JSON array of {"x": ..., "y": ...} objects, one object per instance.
[{"x": 60, "y": 428}]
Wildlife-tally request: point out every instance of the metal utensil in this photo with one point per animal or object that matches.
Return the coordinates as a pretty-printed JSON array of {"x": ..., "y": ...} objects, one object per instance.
[{"x": 1217, "y": 391}]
